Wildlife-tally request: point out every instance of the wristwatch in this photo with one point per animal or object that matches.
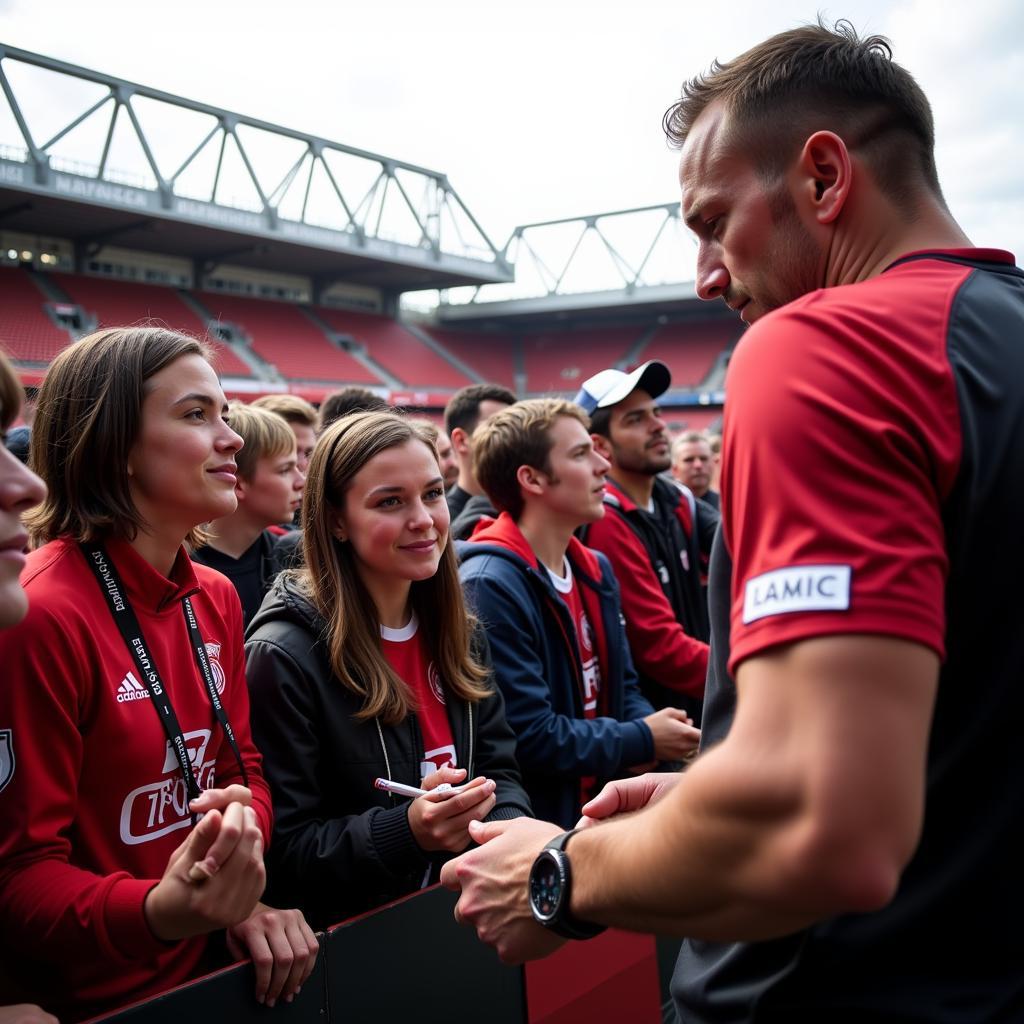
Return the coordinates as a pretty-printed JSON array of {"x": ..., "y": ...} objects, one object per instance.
[{"x": 551, "y": 889}]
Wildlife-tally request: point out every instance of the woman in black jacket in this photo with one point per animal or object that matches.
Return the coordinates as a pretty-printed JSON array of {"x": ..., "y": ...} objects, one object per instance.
[{"x": 365, "y": 664}]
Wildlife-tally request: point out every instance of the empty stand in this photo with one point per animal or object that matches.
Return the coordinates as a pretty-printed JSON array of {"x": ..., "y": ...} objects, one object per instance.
[
  {"x": 284, "y": 336},
  {"x": 491, "y": 355},
  {"x": 123, "y": 303},
  {"x": 397, "y": 350},
  {"x": 690, "y": 348},
  {"x": 26, "y": 332},
  {"x": 563, "y": 360},
  {"x": 692, "y": 417}
]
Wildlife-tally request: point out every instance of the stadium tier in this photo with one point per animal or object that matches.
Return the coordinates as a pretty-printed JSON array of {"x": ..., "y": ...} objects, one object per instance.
[
  {"x": 562, "y": 360},
  {"x": 690, "y": 348},
  {"x": 396, "y": 349},
  {"x": 490, "y": 355},
  {"x": 26, "y": 332},
  {"x": 113, "y": 303},
  {"x": 283, "y": 335},
  {"x": 296, "y": 340}
]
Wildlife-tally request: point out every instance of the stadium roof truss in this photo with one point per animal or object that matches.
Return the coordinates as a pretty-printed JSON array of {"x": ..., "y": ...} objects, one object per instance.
[
  {"x": 218, "y": 180},
  {"x": 639, "y": 257}
]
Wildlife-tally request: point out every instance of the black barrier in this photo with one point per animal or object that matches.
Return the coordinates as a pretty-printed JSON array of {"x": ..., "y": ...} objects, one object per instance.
[
  {"x": 407, "y": 961},
  {"x": 667, "y": 952}
]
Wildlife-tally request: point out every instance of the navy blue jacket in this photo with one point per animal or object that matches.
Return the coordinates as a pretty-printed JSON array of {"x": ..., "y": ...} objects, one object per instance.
[{"x": 537, "y": 666}]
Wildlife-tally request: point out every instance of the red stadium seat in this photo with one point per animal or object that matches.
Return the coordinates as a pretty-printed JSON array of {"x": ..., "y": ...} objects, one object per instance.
[
  {"x": 398, "y": 350},
  {"x": 26, "y": 332},
  {"x": 121, "y": 303},
  {"x": 489, "y": 354},
  {"x": 284, "y": 336},
  {"x": 563, "y": 360},
  {"x": 690, "y": 348}
]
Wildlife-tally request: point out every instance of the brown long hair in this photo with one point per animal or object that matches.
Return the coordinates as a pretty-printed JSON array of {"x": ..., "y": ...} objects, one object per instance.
[
  {"x": 331, "y": 580},
  {"x": 88, "y": 417}
]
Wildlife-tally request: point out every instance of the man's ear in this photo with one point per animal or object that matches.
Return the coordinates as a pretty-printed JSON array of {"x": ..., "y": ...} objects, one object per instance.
[
  {"x": 602, "y": 446},
  {"x": 460, "y": 441},
  {"x": 826, "y": 175},
  {"x": 531, "y": 480}
]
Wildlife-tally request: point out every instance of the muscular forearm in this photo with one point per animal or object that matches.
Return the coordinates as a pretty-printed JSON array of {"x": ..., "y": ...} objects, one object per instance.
[
  {"x": 696, "y": 863},
  {"x": 811, "y": 807},
  {"x": 733, "y": 852}
]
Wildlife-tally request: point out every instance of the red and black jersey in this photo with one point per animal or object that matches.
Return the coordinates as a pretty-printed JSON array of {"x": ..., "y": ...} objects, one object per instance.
[
  {"x": 657, "y": 557},
  {"x": 873, "y": 483}
]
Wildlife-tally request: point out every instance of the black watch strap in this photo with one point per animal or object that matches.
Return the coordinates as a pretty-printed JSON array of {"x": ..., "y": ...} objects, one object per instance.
[{"x": 564, "y": 923}]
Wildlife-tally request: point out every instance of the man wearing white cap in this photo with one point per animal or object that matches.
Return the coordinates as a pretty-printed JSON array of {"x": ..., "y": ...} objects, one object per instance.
[{"x": 655, "y": 534}]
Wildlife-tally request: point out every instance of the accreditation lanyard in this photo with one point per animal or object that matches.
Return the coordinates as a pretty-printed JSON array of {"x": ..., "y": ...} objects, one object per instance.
[{"x": 124, "y": 615}]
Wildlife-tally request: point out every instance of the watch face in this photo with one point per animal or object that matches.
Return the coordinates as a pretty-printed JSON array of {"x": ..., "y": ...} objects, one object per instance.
[{"x": 545, "y": 886}]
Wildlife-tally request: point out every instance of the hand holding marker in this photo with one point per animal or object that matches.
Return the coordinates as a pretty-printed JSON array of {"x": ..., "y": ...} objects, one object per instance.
[{"x": 400, "y": 789}]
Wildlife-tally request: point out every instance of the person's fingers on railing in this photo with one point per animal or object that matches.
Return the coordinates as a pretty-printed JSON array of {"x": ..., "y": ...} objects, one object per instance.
[{"x": 313, "y": 945}]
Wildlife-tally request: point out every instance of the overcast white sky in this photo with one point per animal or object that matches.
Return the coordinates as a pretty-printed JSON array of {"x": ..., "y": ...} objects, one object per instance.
[{"x": 540, "y": 109}]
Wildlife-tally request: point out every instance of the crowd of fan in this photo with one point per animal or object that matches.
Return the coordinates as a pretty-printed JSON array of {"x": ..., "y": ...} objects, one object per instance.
[{"x": 505, "y": 613}]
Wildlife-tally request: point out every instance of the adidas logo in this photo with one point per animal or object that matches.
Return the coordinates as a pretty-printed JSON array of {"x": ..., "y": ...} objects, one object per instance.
[{"x": 131, "y": 689}]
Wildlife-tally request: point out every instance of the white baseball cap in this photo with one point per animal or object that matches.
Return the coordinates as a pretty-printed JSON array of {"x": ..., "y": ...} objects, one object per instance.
[{"x": 609, "y": 387}]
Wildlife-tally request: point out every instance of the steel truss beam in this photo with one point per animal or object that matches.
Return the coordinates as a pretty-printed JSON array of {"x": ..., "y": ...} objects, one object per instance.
[
  {"x": 529, "y": 248},
  {"x": 426, "y": 228}
]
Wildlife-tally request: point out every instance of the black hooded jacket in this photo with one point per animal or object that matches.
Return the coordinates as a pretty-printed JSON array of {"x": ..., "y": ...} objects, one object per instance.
[{"x": 340, "y": 846}]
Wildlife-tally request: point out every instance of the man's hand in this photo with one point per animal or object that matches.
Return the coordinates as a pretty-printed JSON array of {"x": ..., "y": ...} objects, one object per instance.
[
  {"x": 181, "y": 906},
  {"x": 283, "y": 949},
  {"x": 24, "y": 1013},
  {"x": 441, "y": 822},
  {"x": 494, "y": 879},
  {"x": 627, "y": 795},
  {"x": 675, "y": 735}
]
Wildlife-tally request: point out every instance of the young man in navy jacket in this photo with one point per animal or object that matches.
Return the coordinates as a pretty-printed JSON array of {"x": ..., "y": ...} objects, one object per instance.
[
  {"x": 552, "y": 613},
  {"x": 656, "y": 535}
]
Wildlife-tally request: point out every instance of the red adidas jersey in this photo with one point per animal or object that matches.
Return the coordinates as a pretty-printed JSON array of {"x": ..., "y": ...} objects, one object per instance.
[
  {"x": 406, "y": 652},
  {"x": 92, "y": 802}
]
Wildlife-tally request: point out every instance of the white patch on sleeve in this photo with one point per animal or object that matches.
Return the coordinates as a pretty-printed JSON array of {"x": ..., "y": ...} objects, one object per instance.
[{"x": 798, "y": 588}]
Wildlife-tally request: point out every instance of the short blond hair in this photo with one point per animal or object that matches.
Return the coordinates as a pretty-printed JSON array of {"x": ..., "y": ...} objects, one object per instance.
[
  {"x": 518, "y": 436},
  {"x": 265, "y": 433},
  {"x": 291, "y": 408}
]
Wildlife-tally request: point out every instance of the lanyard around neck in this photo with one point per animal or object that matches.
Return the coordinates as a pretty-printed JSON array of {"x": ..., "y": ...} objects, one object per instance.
[{"x": 128, "y": 624}]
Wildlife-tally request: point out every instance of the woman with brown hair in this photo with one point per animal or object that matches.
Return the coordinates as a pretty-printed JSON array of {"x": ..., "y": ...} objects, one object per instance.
[
  {"x": 125, "y": 702},
  {"x": 365, "y": 664}
]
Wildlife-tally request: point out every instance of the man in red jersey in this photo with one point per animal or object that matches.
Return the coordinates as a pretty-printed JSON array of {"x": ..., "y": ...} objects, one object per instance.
[
  {"x": 656, "y": 535},
  {"x": 858, "y": 794}
]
